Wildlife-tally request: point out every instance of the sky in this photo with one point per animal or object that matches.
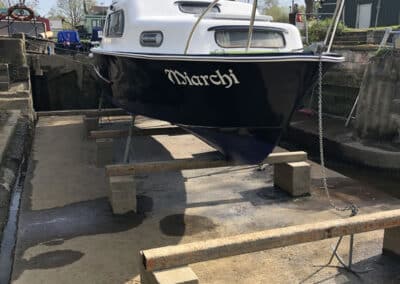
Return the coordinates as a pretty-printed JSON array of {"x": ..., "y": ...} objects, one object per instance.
[{"x": 46, "y": 5}]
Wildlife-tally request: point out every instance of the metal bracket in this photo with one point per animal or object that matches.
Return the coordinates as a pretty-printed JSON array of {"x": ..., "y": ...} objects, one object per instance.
[
  {"x": 129, "y": 140},
  {"x": 349, "y": 267}
]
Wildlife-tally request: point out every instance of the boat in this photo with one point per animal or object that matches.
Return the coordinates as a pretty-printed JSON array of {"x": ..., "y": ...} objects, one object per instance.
[{"x": 218, "y": 69}]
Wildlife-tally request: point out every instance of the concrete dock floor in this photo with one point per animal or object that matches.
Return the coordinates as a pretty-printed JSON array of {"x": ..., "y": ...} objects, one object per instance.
[{"x": 67, "y": 233}]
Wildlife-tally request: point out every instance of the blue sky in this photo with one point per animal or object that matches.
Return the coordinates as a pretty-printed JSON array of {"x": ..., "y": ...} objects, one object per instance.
[{"x": 46, "y": 5}]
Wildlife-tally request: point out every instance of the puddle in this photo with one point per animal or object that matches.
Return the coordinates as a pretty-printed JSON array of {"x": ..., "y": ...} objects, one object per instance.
[{"x": 188, "y": 225}]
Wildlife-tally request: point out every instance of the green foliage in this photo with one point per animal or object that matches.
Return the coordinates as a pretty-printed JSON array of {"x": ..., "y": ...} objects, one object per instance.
[
  {"x": 280, "y": 14},
  {"x": 318, "y": 28}
]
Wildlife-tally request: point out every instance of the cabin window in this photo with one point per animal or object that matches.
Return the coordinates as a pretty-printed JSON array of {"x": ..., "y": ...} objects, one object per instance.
[
  {"x": 115, "y": 24},
  {"x": 196, "y": 7},
  {"x": 151, "y": 38},
  {"x": 237, "y": 38}
]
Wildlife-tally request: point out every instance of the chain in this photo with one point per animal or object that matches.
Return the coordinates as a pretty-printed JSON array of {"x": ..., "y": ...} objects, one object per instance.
[{"x": 351, "y": 207}]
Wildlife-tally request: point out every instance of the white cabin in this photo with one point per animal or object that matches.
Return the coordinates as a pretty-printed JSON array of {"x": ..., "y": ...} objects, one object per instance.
[{"x": 164, "y": 26}]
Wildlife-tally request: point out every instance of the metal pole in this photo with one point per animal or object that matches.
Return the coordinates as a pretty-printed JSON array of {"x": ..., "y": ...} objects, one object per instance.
[
  {"x": 251, "y": 27},
  {"x": 129, "y": 140},
  {"x": 352, "y": 111},
  {"x": 378, "y": 12},
  {"x": 335, "y": 25},
  {"x": 328, "y": 32}
]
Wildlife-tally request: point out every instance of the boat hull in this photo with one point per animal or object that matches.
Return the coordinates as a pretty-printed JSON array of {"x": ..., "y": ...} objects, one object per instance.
[{"x": 238, "y": 107}]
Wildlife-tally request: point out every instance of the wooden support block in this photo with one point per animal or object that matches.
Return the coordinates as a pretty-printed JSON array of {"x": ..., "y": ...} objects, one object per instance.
[
  {"x": 90, "y": 124},
  {"x": 137, "y": 132},
  {"x": 294, "y": 178},
  {"x": 174, "y": 165},
  {"x": 104, "y": 152},
  {"x": 184, "y": 254},
  {"x": 192, "y": 164},
  {"x": 85, "y": 112},
  {"x": 391, "y": 241},
  {"x": 179, "y": 275},
  {"x": 286, "y": 157},
  {"x": 4, "y": 78},
  {"x": 122, "y": 194}
]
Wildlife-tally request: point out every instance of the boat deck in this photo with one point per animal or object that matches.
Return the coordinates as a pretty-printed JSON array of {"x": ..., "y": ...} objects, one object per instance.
[{"x": 67, "y": 233}]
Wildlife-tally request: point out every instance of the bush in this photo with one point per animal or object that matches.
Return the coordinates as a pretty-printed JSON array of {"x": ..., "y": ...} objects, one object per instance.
[
  {"x": 280, "y": 14},
  {"x": 318, "y": 28}
]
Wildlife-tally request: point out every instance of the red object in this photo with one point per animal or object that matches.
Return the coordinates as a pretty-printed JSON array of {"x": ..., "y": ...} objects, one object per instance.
[
  {"x": 306, "y": 111},
  {"x": 299, "y": 18},
  {"x": 45, "y": 21}
]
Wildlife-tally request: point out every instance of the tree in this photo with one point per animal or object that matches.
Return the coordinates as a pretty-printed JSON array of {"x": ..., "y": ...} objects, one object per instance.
[
  {"x": 71, "y": 11},
  {"x": 309, "y": 7},
  {"x": 30, "y": 3},
  {"x": 2, "y": 4},
  {"x": 267, "y": 4}
]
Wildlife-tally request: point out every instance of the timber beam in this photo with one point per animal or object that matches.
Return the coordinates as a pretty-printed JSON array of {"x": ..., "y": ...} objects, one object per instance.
[
  {"x": 181, "y": 255},
  {"x": 194, "y": 163},
  {"x": 101, "y": 134}
]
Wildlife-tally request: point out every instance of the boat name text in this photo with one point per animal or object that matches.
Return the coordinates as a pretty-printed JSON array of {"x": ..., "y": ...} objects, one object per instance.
[{"x": 217, "y": 79}]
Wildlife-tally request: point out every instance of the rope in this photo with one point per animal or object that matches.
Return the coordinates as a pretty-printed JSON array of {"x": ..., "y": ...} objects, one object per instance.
[{"x": 350, "y": 207}]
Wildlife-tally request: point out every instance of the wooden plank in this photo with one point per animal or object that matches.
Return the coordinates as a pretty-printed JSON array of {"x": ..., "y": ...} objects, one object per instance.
[
  {"x": 161, "y": 166},
  {"x": 180, "y": 255},
  {"x": 86, "y": 112},
  {"x": 193, "y": 163},
  {"x": 286, "y": 157},
  {"x": 99, "y": 134}
]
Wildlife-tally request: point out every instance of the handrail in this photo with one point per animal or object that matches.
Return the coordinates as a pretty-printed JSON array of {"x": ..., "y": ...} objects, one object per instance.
[
  {"x": 197, "y": 23},
  {"x": 215, "y": 2}
]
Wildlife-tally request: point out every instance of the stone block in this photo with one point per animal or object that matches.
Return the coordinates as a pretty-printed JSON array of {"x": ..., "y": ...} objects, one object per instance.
[
  {"x": 4, "y": 78},
  {"x": 90, "y": 124},
  {"x": 391, "y": 241},
  {"x": 122, "y": 194},
  {"x": 104, "y": 152},
  {"x": 294, "y": 178},
  {"x": 397, "y": 42},
  {"x": 4, "y": 86},
  {"x": 179, "y": 275}
]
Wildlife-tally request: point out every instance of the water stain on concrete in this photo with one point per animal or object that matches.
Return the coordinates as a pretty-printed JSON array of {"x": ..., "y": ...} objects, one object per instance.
[
  {"x": 181, "y": 224},
  {"x": 49, "y": 260},
  {"x": 54, "y": 243},
  {"x": 144, "y": 204}
]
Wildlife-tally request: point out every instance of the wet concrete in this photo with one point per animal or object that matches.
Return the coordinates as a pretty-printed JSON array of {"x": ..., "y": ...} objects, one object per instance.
[
  {"x": 382, "y": 179},
  {"x": 67, "y": 233},
  {"x": 8, "y": 239}
]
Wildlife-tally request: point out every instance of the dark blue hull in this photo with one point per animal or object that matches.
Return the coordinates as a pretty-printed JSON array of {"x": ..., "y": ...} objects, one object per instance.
[{"x": 240, "y": 107}]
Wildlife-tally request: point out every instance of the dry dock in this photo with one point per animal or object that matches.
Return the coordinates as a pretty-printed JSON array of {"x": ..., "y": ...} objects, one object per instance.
[{"x": 68, "y": 234}]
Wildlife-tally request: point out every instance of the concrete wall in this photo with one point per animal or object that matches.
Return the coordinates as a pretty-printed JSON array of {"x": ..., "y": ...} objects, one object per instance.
[
  {"x": 343, "y": 81},
  {"x": 63, "y": 82},
  {"x": 12, "y": 52},
  {"x": 378, "y": 112}
]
